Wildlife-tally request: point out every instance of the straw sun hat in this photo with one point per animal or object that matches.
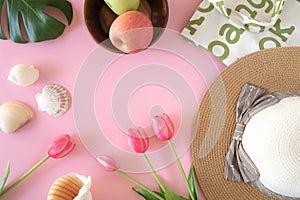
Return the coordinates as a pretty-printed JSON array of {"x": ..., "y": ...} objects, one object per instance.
[{"x": 247, "y": 142}]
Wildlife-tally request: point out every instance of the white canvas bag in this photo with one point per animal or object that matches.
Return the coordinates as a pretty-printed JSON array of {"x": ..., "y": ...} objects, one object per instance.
[{"x": 231, "y": 29}]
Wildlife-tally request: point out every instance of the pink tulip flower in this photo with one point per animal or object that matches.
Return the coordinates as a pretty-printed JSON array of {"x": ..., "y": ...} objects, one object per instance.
[
  {"x": 60, "y": 147},
  {"x": 110, "y": 165},
  {"x": 164, "y": 130},
  {"x": 107, "y": 163},
  {"x": 163, "y": 127},
  {"x": 138, "y": 140}
]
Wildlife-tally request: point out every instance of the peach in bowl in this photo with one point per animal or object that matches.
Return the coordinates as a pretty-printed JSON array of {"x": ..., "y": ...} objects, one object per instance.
[{"x": 115, "y": 32}]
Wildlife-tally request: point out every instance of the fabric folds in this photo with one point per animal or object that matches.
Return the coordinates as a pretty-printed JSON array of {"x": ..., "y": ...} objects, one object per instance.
[{"x": 238, "y": 165}]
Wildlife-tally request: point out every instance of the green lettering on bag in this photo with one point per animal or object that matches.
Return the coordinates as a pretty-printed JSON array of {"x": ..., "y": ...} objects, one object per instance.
[
  {"x": 262, "y": 28},
  {"x": 262, "y": 4},
  {"x": 220, "y": 4},
  {"x": 278, "y": 9},
  {"x": 268, "y": 39},
  {"x": 225, "y": 48},
  {"x": 197, "y": 22},
  {"x": 206, "y": 10},
  {"x": 279, "y": 31},
  {"x": 228, "y": 11},
  {"x": 241, "y": 6},
  {"x": 232, "y": 31}
]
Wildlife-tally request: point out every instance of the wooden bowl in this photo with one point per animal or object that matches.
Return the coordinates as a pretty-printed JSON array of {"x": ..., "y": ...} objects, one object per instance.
[{"x": 98, "y": 18}]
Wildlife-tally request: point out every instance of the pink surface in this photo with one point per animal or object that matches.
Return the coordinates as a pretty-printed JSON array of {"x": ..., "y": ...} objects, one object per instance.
[{"x": 59, "y": 61}]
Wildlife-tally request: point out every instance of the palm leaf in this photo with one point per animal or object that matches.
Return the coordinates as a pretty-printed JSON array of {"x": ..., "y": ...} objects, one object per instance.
[{"x": 39, "y": 26}]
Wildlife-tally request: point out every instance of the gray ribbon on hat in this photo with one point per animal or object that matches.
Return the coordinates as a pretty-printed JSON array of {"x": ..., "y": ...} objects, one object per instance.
[{"x": 238, "y": 166}]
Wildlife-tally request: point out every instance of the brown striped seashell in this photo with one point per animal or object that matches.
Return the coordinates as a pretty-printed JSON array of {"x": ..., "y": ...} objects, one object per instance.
[
  {"x": 54, "y": 99},
  {"x": 14, "y": 115},
  {"x": 71, "y": 187}
]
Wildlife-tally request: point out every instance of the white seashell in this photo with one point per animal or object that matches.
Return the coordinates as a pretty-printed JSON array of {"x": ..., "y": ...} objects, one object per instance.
[
  {"x": 71, "y": 187},
  {"x": 54, "y": 99},
  {"x": 13, "y": 115},
  {"x": 23, "y": 75}
]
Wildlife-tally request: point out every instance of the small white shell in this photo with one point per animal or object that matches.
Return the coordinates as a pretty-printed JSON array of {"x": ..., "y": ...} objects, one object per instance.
[
  {"x": 13, "y": 115},
  {"x": 71, "y": 187},
  {"x": 54, "y": 99},
  {"x": 23, "y": 75}
]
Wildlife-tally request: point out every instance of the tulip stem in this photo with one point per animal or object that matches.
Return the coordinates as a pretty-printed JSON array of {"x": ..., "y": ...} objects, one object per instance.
[
  {"x": 24, "y": 176},
  {"x": 181, "y": 169},
  {"x": 139, "y": 184},
  {"x": 161, "y": 185}
]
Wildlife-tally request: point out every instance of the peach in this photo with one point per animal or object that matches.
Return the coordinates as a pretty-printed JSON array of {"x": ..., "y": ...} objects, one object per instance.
[{"x": 131, "y": 32}]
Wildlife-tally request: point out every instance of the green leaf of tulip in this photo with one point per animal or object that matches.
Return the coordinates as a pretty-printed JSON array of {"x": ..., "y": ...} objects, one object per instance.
[
  {"x": 39, "y": 26},
  {"x": 146, "y": 194},
  {"x": 192, "y": 182},
  {"x": 5, "y": 176},
  {"x": 169, "y": 195}
]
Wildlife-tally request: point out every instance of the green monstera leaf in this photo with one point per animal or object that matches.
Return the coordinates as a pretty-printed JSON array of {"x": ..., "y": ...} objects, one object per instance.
[{"x": 39, "y": 26}]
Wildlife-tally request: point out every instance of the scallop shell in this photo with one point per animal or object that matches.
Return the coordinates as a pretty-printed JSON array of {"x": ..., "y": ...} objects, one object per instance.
[
  {"x": 14, "y": 115},
  {"x": 23, "y": 75},
  {"x": 71, "y": 187},
  {"x": 54, "y": 99}
]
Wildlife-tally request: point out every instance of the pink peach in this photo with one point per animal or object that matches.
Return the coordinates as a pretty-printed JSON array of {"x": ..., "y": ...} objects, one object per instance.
[{"x": 131, "y": 32}]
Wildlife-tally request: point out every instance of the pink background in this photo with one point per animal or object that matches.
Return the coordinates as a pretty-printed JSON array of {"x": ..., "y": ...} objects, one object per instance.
[{"x": 59, "y": 61}]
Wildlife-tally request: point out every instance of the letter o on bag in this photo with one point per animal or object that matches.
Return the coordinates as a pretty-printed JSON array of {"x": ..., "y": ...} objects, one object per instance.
[
  {"x": 219, "y": 49},
  {"x": 263, "y": 41}
]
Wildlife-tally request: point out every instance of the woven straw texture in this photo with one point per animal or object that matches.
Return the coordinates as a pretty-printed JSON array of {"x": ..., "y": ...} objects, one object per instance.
[{"x": 274, "y": 70}]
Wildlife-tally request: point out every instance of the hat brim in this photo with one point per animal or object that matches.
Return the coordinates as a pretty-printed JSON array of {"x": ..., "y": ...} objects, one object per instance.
[{"x": 274, "y": 70}]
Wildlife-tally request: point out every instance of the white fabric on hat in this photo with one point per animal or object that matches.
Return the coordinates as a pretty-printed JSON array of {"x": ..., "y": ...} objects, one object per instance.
[{"x": 272, "y": 141}]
